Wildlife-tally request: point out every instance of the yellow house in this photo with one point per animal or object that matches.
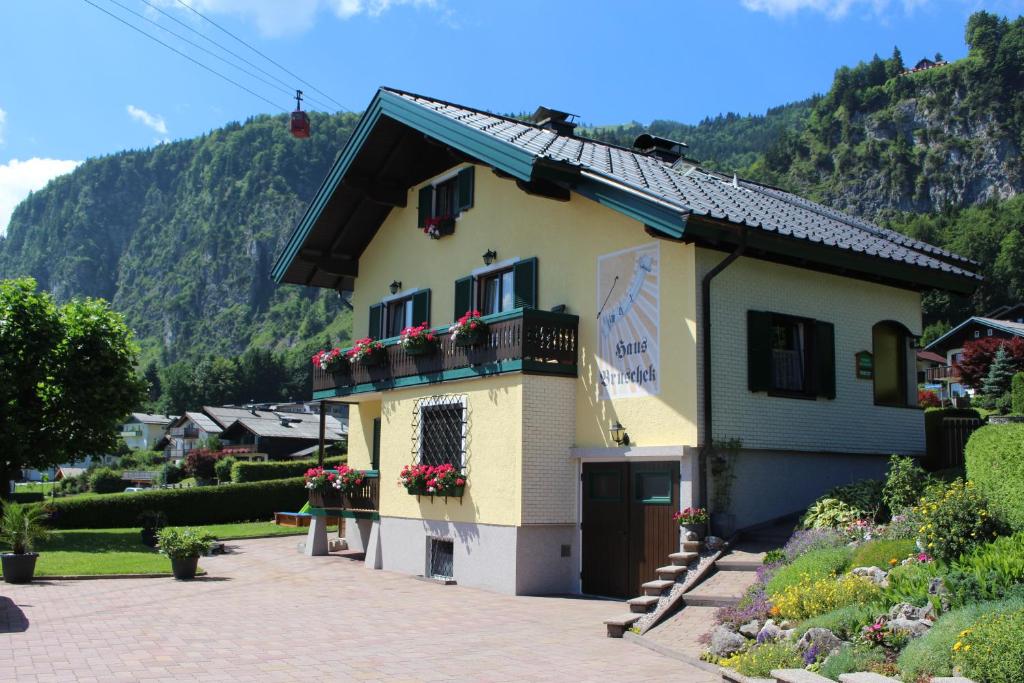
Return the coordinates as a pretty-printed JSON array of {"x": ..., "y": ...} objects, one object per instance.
[{"x": 657, "y": 336}]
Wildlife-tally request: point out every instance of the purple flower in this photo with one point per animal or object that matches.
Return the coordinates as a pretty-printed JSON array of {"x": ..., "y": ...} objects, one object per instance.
[
  {"x": 754, "y": 605},
  {"x": 804, "y": 540},
  {"x": 811, "y": 654}
]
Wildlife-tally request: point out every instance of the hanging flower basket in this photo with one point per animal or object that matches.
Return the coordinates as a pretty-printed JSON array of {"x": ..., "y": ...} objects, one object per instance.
[
  {"x": 469, "y": 330},
  {"x": 419, "y": 340},
  {"x": 439, "y": 226},
  {"x": 368, "y": 351},
  {"x": 429, "y": 480}
]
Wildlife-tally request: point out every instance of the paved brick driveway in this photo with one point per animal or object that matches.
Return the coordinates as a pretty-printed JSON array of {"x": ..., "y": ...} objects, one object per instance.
[{"x": 267, "y": 613}]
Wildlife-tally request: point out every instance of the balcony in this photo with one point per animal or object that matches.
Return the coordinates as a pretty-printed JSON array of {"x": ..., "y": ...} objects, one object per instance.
[
  {"x": 521, "y": 340},
  {"x": 942, "y": 373},
  {"x": 185, "y": 432}
]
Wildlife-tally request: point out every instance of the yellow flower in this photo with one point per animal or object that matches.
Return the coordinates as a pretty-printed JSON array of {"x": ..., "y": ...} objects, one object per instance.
[
  {"x": 893, "y": 561},
  {"x": 931, "y": 545},
  {"x": 957, "y": 645}
]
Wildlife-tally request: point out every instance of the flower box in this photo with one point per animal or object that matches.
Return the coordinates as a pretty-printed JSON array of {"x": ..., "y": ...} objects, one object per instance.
[
  {"x": 419, "y": 340},
  {"x": 369, "y": 352},
  {"x": 428, "y": 480},
  {"x": 330, "y": 498},
  {"x": 472, "y": 337},
  {"x": 469, "y": 330},
  {"x": 332, "y": 361},
  {"x": 439, "y": 226}
]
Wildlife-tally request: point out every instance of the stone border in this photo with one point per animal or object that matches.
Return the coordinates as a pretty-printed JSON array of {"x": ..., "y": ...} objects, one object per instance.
[
  {"x": 89, "y": 577},
  {"x": 671, "y": 652}
]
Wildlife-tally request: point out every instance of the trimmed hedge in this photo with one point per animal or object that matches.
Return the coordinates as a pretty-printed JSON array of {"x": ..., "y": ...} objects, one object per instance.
[
  {"x": 198, "y": 505},
  {"x": 933, "y": 431},
  {"x": 995, "y": 464},
  {"x": 24, "y": 497},
  {"x": 1017, "y": 394},
  {"x": 243, "y": 472}
]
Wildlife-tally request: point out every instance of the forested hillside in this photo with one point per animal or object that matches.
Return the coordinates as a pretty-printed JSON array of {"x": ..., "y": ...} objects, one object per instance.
[{"x": 181, "y": 237}]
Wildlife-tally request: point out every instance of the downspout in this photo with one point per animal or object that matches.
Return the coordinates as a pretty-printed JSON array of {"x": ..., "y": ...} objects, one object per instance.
[{"x": 705, "y": 331}]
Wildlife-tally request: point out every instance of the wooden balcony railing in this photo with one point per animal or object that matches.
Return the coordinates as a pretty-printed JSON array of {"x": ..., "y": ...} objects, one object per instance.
[
  {"x": 367, "y": 497},
  {"x": 942, "y": 373},
  {"x": 522, "y": 339}
]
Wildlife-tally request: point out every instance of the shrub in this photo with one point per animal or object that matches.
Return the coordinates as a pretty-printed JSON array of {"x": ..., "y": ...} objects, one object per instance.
[
  {"x": 774, "y": 556},
  {"x": 805, "y": 540},
  {"x": 845, "y": 622},
  {"x": 864, "y": 495},
  {"x": 850, "y": 659},
  {"x": 830, "y": 513},
  {"x": 753, "y": 605},
  {"x": 926, "y": 398},
  {"x": 759, "y": 661},
  {"x": 903, "y": 525},
  {"x": 904, "y": 483},
  {"x": 995, "y": 464},
  {"x": 25, "y": 497},
  {"x": 201, "y": 463},
  {"x": 814, "y": 565},
  {"x": 994, "y": 568},
  {"x": 1017, "y": 394},
  {"x": 881, "y": 552},
  {"x": 909, "y": 582},
  {"x": 811, "y": 597},
  {"x": 222, "y": 468},
  {"x": 201, "y": 505},
  {"x": 954, "y": 519},
  {"x": 106, "y": 480},
  {"x": 243, "y": 472},
  {"x": 931, "y": 655},
  {"x": 933, "y": 431},
  {"x": 180, "y": 544},
  {"x": 992, "y": 649},
  {"x": 170, "y": 474}
]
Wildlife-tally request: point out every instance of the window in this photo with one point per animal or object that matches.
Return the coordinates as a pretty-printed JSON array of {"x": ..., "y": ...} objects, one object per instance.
[
  {"x": 890, "y": 342},
  {"x": 446, "y": 198},
  {"x": 399, "y": 316},
  {"x": 790, "y": 355},
  {"x": 388, "y": 318},
  {"x": 989, "y": 333},
  {"x": 977, "y": 334},
  {"x": 510, "y": 285},
  {"x": 445, "y": 195},
  {"x": 442, "y": 559},
  {"x": 442, "y": 431},
  {"x": 496, "y": 292}
]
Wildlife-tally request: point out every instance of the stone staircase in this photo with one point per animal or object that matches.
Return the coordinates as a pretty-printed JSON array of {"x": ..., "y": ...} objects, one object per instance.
[{"x": 670, "y": 577}]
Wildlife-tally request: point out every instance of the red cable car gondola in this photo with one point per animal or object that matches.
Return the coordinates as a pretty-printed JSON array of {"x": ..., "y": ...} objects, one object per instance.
[{"x": 300, "y": 120}]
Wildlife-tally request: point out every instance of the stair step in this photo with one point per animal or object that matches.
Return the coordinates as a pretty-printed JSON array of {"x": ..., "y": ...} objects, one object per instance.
[
  {"x": 863, "y": 677},
  {"x": 617, "y": 625},
  {"x": 691, "y": 546},
  {"x": 729, "y": 565},
  {"x": 683, "y": 558},
  {"x": 671, "y": 572},
  {"x": 642, "y": 603},
  {"x": 733, "y": 676},
  {"x": 657, "y": 587},
  {"x": 799, "y": 676},
  {"x": 691, "y": 600}
]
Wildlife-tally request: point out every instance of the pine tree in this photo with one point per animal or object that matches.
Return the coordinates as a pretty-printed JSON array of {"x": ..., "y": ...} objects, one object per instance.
[
  {"x": 1000, "y": 376},
  {"x": 894, "y": 66}
]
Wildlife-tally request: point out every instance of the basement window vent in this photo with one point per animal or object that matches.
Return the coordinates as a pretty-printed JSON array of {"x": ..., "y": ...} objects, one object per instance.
[{"x": 442, "y": 557}]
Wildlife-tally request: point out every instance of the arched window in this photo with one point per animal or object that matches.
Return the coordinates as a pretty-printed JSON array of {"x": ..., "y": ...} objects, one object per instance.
[{"x": 891, "y": 349}]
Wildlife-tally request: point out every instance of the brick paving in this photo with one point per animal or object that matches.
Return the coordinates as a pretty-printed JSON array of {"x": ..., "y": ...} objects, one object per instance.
[{"x": 267, "y": 613}]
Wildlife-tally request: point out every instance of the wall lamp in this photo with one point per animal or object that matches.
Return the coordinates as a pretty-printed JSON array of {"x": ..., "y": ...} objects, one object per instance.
[
  {"x": 619, "y": 435},
  {"x": 396, "y": 286},
  {"x": 489, "y": 256}
]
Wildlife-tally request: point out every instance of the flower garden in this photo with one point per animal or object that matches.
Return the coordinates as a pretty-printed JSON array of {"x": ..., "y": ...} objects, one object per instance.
[{"x": 913, "y": 577}]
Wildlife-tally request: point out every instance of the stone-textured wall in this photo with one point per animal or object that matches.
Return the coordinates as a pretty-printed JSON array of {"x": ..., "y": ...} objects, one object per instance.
[{"x": 549, "y": 429}]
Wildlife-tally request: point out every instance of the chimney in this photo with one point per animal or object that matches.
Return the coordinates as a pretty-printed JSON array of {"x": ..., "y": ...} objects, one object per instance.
[
  {"x": 669, "y": 151},
  {"x": 559, "y": 121}
]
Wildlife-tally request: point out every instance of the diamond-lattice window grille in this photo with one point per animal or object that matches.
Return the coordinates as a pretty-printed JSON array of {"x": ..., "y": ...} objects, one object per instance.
[{"x": 440, "y": 431}]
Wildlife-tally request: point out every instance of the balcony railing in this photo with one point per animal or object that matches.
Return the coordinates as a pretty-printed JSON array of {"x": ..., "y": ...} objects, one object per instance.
[
  {"x": 367, "y": 497},
  {"x": 942, "y": 373},
  {"x": 185, "y": 432},
  {"x": 522, "y": 339}
]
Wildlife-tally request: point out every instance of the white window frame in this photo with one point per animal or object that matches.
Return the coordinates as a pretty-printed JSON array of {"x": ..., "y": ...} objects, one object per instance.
[{"x": 444, "y": 401}]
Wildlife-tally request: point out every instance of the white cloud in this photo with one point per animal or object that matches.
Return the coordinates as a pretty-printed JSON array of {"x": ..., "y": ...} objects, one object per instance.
[
  {"x": 18, "y": 178},
  {"x": 3, "y": 125},
  {"x": 152, "y": 121},
  {"x": 834, "y": 9},
  {"x": 374, "y": 8}
]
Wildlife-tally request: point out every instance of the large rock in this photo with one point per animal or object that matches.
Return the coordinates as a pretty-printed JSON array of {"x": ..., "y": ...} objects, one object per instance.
[
  {"x": 751, "y": 629},
  {"x": 913, "y": 628},
  {"x": 725, "y": 642},
  {"x": 769, "y": 633},
  {"x": 905, "y": 610},
  {"x": 879, "y": 577},
  {"x": 822, "y": 639}
]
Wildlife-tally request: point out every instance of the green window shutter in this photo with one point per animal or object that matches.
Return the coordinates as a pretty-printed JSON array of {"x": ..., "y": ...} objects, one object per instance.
[
  {"x": 759, "y": 350},
  {"x": 524, "y": 283},
  {"x": 465, "y": 189},
  {"x": 375, "y": 453},
  {"x": 426, "y": 204},
  {"x": 825, "y": 358},
  {"x": 376, "y": 321},
  {"x": 463, "y": 295},
  {"x": 421, "y": 307}
]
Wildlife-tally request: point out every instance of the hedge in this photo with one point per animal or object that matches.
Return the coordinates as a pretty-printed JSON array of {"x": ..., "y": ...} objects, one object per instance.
[
  {"x": 933, "y": 431},
  {"x": 995, "y": 464},
  {"x": 197, "y": 505},
  {"x": 243, "y": 472},
  {"x": 1017, "y": 394},
  {"x": 27, "y": 497}
]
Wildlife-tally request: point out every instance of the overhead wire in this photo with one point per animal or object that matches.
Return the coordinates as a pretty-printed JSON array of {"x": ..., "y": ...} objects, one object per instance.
[
  {"x": 279, "y": 66},
  {"x": 289, "y": 87},
  {"x": 186, "y": 56}
]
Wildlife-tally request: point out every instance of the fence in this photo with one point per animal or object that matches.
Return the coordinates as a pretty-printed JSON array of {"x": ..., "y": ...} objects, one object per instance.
[{"x": 955, "y": 433}]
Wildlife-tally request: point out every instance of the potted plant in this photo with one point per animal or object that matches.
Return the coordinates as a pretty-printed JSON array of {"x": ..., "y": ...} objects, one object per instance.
[
  {"x": 419, "y": 340},
  {"x": 437, "y": 227},
  {"x": 469, "y": 330},
  {"x": 324, "y": 487},
  {"x": 184, "y": 547},
  {"x": 430, "y": 480},
  {"x": 692, "y": 523},
  {"x": 332, "y": 361},
  {"x": 20, "y": 527},
  {"x": 368, "y": 352},
  {"x": 151, "y": 521},
  {"x": 350, "y": 481}
]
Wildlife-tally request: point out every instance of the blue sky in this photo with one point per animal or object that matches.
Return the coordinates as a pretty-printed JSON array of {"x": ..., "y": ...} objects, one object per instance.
[{"x": 76, "y": 83}]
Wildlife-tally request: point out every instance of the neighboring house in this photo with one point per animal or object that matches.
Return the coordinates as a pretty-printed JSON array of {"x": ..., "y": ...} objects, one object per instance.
[
  {"x": 928, "y": 360},
  {"x": 621, "y": 287},
  {"x": 191, "y": 430},
  {"x": 142, "y": 431},
  {"x": 69, "y": 472},
  {"x": 1004, "y": 323},
  {"x": 281, "y": 435}
]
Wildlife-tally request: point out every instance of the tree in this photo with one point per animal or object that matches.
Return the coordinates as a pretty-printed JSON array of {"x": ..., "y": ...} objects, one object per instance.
[
  {"x": 67, "y": 378},
  {"x": 999, "y": 379},
  {"x": 979, "y": 355},
  {"x": 152, "y": 377},
  {"x": 938, "y": 57},
  {"x": 894, "y": 67}
]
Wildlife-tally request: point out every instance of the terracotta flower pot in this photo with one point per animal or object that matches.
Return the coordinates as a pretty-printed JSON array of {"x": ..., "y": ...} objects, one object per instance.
[
  {"x": 19, "y": 567},
  {"x": 184, "y": 567}
]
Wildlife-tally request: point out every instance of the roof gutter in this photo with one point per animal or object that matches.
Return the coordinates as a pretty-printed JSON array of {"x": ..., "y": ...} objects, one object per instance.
[{"x": 705, "y": 332}]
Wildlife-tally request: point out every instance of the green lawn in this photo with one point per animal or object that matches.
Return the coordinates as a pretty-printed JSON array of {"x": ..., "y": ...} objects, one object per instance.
[{"x": 120, "y": 551}]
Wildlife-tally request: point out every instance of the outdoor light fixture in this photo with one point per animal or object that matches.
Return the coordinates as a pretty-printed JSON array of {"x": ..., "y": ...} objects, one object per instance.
[
  {"x": 619, "y": 435},
  {"x": 395, "y": 286},
  {"x": 489, "y": 257}
]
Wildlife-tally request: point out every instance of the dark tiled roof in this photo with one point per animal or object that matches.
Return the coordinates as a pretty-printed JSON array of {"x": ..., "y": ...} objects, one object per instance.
[{"x": 706, "y": 193}]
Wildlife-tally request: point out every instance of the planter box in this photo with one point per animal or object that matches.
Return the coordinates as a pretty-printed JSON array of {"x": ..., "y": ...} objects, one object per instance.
[
  {"x": 454, "y": 492},
  {"x": 472, "y": 338},
  {"x": 19, "y": 568},
  {"x": 427, "y": 349},
  {"x": 331, "y": 498},
  {"x": 376, "y": 359},
  {"x": 184, "y": 567}
]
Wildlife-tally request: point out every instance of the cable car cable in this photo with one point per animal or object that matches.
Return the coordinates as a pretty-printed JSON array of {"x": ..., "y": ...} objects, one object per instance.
[
  {"x": 191, "y": 59},
  {"x": 230, "y": 52},
  {"x": 279, "y": 66}
]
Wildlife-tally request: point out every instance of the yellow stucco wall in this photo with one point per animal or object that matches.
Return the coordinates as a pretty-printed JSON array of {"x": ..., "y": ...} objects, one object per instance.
[{"x": 567, "y": 238}]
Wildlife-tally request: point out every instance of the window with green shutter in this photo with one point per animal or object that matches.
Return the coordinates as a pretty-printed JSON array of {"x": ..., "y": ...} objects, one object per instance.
[
  {"x": 499, "y": 289},
  {"x": 790, "y": 356},
  {"x": 375, "y": 328},
  {"x": 447, "y": 198},
  {"x": 463, "y": 295}
]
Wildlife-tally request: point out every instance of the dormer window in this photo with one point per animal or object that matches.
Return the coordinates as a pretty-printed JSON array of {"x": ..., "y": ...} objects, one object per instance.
[{"x": 441, "y": 202}]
